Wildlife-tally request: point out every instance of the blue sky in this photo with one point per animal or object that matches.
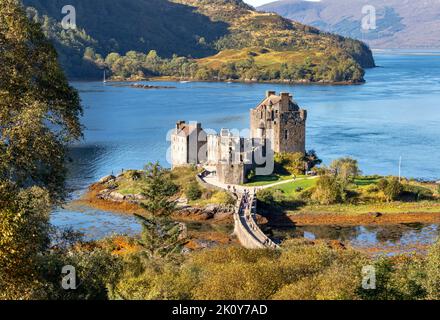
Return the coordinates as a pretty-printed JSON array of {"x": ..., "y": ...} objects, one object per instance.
[{"x": 257, "y": 3}]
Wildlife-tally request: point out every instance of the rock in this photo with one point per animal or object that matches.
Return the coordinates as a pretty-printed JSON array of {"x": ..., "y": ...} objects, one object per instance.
[
  {"x": 116, "y": 196},
  {"x": 211, "y": 208},
  {"x": 376, "y": 214},
  {"x": 205, "y": 244},
  {"x": 107, "y": 179},
  {"x": 186, "y": 251},
  {"x": 139, "y": 197}
]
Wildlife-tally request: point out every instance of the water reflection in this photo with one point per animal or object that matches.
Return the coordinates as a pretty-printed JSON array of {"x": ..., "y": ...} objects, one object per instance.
[{"x": 367, "y": 236}]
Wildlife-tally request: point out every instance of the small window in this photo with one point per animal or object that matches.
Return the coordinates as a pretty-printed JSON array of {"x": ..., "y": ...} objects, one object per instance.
[{"x": 286, "y": 134}]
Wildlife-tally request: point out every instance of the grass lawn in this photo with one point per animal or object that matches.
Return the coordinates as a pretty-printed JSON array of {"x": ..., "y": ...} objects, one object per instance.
[
  {"x": 260, "y": 181},
  {"x": 366, "y": 181},
  {"x": 393, "y": 207},
  {"x": 291, "y": 187}
]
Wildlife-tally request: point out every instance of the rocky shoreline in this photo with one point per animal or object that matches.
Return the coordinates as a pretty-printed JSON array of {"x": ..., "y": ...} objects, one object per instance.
[{"x": 104, "y": 195}]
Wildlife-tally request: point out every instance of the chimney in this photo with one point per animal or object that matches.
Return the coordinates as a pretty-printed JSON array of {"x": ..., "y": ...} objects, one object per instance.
[
  {"x": 270, "y": 93},
  {"x": 285, "y": 101},
  {"x": 179, "y": 124}
]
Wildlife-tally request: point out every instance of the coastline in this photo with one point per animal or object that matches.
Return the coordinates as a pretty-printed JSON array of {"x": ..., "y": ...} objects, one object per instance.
[
  {"x": 174, "y": 79},
  {"x": 365, "y": 219},
  {"x": 303, "y": 217}
]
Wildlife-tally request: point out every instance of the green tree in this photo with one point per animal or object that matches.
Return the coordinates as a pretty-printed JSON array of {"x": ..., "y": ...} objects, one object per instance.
[
  {"x": 328, "y": 190},
  {"x": 432, "y": 283},
  {"x": 159, "y": 188},
  {"x": 39, "y": 111},
  {"x": 193, "y": 191},
  {"x": 391, "y": 188},
  {"x": 39, "y": 115},
  {"x": 291, "y": 163},
  {"x": 312, "y": 159},
  {"x": 345, "y": 169},
  {"x": 24, "y": 235}
]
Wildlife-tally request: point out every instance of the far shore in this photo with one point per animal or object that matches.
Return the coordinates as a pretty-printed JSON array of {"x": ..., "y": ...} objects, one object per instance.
[{"x": 175, "y": 79}]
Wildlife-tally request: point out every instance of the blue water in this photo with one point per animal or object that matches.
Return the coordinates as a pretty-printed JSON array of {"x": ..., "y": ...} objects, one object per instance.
[{"x": 396, "y": 113}]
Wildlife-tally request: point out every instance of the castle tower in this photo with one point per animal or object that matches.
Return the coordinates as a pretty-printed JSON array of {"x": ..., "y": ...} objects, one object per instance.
[{"x": 280, "y": 119}]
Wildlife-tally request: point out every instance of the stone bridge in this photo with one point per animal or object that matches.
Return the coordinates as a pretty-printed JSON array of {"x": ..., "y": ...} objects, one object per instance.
[{"x": 246, "y": 228}]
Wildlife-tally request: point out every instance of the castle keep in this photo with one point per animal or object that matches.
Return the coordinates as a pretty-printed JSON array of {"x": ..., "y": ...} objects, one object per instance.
[
  {"x": 280, "y": 117},
  {"x": 277, "y": 124}
]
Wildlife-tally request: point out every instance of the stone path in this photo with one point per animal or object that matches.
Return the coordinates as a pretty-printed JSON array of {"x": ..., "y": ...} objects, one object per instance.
[{"x": 246, "y": 228}]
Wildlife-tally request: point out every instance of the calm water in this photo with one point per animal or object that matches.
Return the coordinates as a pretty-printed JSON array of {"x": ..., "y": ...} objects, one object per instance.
[{"x": 396, "y": 113}]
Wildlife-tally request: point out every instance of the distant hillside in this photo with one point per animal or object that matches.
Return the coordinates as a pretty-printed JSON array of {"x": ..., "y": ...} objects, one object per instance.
[
  {"x": 400, "y": 23},
  {"x": 118, "y": 35}
]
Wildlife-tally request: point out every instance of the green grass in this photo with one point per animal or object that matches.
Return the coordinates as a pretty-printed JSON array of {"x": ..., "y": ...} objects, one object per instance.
[
  {"x": 366, "y": 181},
  {"x": 356, "y": 209},
  {"x": 260, "y": 181},
  {"x": 291, "y": 187}
]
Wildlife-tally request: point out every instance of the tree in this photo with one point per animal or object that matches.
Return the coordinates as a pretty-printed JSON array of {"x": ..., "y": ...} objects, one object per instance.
[
  {"x": 292, "y": 163},
  {"x": 24, "y": 234},
  {"x": 39, "y": 111},
  {"x": 193, "y": 191},
  {"x": 328, "y": 190},
  {"x": 432, "y": 284},
  {"x": 39, "y": 115},
  {"x": 391, "y": 188},
  {"x": 159, "y": 188},
  {"x": 345, "y": 169},
  {"x": 312, "y": 159}
]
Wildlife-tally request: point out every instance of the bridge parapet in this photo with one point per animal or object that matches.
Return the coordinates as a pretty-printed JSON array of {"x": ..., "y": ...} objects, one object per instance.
[{"x": 246, "y": 228}]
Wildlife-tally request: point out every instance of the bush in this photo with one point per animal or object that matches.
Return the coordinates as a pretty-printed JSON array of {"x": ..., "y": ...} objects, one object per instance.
[
  {"x": 346, "y": 169},
  {"x": 391, "y": 188},
  {"x": 291, "y": 163},
  {"x": 224, "y": 198},
  {"x": 193, "y": 192},
  {"x": 328, "y": 190},
  {"x": 266, "y": 196},
  {"x": 419, "y": 193},
  {"x": 251, "y": 175}
]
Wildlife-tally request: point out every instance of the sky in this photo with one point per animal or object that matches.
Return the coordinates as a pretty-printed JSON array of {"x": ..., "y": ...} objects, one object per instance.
[{"x": 257, "y": 3}]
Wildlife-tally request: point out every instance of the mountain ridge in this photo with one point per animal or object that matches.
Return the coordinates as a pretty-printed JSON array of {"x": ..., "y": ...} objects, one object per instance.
[
  {"x": 400, "y": 23},
  {"x": 203, "y": 29}
]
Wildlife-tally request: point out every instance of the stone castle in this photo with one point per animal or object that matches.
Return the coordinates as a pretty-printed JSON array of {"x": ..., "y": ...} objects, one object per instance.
[{"x": 277, "y": 125}]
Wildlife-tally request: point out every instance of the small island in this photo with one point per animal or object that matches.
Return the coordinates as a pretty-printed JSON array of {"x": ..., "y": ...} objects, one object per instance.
[{"x": 209, "y": 187}]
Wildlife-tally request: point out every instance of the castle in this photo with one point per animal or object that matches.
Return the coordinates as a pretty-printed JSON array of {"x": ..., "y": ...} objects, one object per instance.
[{"x": 277, "y": 124}]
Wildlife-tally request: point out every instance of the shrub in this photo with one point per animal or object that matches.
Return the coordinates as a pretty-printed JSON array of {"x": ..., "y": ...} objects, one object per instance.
[
  {"x": 346, "y": 168},
  {"x": 328, "y": 190},
  {"x": 266, "y": 196},
  {"x": 193, "y": 191},
  {"x": 251, "y": 175},
  {"x": 291, "y": 163},
  {"x": 224, "y": 198},
  {"x": 391, "y": 188}
]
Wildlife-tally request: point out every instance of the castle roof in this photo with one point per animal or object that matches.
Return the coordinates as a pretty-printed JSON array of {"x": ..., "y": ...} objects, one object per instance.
[{"x": 274, "y": 100}]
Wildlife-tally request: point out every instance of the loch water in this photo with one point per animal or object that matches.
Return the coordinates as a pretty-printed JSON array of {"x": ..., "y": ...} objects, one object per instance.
[{"x": 396, "y": 113}]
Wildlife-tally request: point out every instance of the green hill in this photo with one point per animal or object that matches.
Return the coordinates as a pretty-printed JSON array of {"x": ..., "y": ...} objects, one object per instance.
[{"x": 210, "y": 40}]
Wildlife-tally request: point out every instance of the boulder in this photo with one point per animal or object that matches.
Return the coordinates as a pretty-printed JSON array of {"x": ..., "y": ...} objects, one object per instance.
[
  {"x": 116, "y": 196},
  {"x": 107, "y": 179}
]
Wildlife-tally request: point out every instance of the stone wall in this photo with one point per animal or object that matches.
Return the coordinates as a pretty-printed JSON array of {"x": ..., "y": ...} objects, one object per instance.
[
  {"x": 233, "y": 173},
  {"x": 279, "y": 119}
]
